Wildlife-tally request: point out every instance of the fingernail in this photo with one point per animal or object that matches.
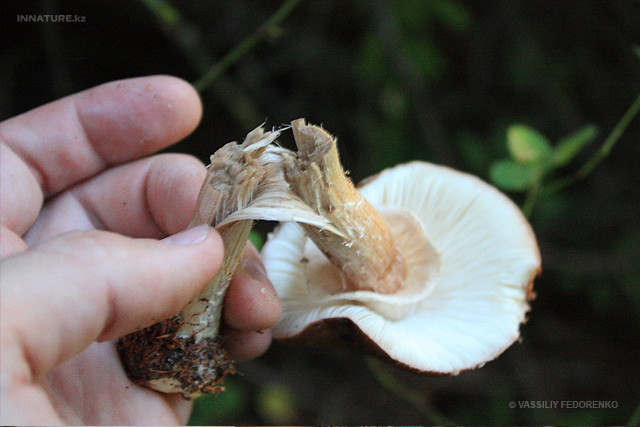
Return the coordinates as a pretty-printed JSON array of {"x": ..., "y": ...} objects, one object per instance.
[
  {"x": 189, "y": 236},
  {"x": 255, "y": 269}
]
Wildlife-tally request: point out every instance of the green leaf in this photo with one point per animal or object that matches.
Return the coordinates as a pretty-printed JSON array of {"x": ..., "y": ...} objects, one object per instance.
[
  {"x": 512, "y": 176},
  {"x": 527, "y": 145},
  {"x": 568, "y": 147}
]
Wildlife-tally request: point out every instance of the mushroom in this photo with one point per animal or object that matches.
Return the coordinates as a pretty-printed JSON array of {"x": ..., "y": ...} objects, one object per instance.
[
  {"x": 422, "y": 265},
  {"x": 244, "y": 182},
  {"x": 431, "y": 269}
]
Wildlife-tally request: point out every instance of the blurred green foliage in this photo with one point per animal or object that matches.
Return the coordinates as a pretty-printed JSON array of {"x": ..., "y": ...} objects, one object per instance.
[
  {"x": 510, "y": 90},
  {"x": 223, "y": 408},
  {"x": 533, "y": 158}
]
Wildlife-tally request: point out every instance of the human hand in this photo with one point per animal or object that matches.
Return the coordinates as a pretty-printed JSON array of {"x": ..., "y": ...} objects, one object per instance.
[{"x": 81, "y": 212}]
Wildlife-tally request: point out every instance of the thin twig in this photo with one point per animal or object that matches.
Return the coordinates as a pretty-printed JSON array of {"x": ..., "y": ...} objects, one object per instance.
[
  {"x": 611, "y": 140},
  {"x": 269, "y": 28},
  {"x": 599, "y": 155},
  {"x": 187, "y": 37},
  {"x": 182, "y": 33},
  {"x": 531, "y": 199}
]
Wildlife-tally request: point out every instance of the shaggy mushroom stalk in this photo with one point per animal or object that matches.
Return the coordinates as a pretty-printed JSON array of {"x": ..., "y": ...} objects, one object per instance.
[
  {"x": 367, "y": 254},
  {"x": 243, "y": 182}
]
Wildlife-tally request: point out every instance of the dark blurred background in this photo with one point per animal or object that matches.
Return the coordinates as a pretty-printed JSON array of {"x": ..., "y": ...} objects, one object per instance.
[{"x": 437, "y": 80}]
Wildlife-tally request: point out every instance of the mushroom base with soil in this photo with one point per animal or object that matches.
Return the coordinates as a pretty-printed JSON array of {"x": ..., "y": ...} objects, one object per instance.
[{"x": 158, "y": 358}]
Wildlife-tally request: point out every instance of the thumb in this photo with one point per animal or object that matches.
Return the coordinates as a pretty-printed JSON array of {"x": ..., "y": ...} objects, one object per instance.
[{"x": 60, "y": 296}]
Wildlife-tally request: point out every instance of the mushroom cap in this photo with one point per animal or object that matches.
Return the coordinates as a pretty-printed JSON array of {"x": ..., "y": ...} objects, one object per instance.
[{"x": 471, "y": 314}]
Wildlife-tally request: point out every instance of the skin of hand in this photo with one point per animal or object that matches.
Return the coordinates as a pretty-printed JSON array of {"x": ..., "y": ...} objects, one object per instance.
[{"x": 83, "y": 208}]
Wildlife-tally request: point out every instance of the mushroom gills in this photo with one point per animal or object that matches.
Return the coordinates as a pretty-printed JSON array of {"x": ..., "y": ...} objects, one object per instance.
[
  {"x": 325, "y": 284},
  {"x": 473, "y": 300}
]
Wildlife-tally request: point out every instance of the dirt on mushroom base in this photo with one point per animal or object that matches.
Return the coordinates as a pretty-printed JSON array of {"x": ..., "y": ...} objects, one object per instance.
[{"x": 155, "y": 357}]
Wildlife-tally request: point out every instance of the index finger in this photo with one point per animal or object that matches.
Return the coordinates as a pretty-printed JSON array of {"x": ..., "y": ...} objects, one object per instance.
[{"x": 61, "y": 143}]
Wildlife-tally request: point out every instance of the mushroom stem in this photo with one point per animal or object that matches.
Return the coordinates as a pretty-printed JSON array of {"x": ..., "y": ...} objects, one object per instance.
[
  {"x": 234, "y": 176},
  {"x": 201, "y": 317},
  {"x": 364, "y": 249},
  {"x": 184, "y": 354}
]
